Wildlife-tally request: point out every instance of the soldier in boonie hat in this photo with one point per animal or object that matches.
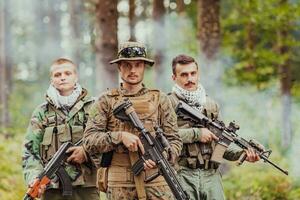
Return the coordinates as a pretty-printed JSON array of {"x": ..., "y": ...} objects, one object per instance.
[
  {"x": 132, "y": 51},
  {"x": 109, "y": 134}
]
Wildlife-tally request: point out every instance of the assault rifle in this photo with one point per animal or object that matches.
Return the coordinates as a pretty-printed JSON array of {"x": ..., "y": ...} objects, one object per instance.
[
  {"x": 225, "y": 134},
  {"x": 154, "y": 148},
  {"x": 54, "y": 166}
]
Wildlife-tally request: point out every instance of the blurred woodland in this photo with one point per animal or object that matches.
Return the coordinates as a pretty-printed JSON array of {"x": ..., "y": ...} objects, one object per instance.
[{"x": 248, "y": 52}]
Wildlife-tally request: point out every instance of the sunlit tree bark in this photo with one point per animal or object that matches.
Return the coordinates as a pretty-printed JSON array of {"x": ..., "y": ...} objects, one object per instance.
[
  {"x": 159, "y": 39},
  {"x": 132, "y": 19},
  {"x": 106, "y": 44},
  {"x": 209, "y": 27},
  {"x": 75, "y": 10}
]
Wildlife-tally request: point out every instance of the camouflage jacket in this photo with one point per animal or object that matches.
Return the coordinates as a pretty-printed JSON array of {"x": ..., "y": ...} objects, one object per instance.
[
  {"x": 190, "y": 134},
  {"x": 99, "y": 137},
  {"x": 38, "y": 146}
]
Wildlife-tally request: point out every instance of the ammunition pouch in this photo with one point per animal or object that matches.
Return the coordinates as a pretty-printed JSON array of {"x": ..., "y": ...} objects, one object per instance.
[
  {"x": 206, "y": 150},
  {"x": 55, "y": 136},
  {"x": 219, "y": 150},
  {"x": 198, "y": 156},
  {"x": 193, "y": 163},
  {"x": 120, "y": 173}
]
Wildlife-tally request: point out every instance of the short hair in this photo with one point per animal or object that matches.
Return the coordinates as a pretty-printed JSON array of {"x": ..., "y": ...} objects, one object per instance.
[
  {"x": 182, "y": 59},
  {"x": 60, "y": 61}
]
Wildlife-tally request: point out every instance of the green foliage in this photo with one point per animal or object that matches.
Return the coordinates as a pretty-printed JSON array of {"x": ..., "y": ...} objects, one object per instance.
[
  {"x": 259, "y": 182},
  {"x": 12, "y": 186},
  {"x": 191, "y": 11},
  {"x": 24, "y": 98},
  {"x": 250, "y": 30}
]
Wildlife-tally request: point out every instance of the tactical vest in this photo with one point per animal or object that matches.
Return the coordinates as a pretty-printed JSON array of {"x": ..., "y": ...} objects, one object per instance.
[
  {"x": 61, "y": 128},
  {"x": 197, "y": 154},
  {"x": 148, "y": 109}
]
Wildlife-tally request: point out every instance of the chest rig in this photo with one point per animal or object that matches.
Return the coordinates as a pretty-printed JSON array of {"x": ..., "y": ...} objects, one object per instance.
[
  {"x": 147, "y": 107},
  {"x": 60, "y": 128},
  {"x": 196, "y": 155},
  {"x": 145, "y": 104}
]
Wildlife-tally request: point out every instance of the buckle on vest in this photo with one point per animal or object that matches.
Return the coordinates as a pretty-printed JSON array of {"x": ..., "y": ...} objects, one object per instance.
[{"x": 51, "y": 120}]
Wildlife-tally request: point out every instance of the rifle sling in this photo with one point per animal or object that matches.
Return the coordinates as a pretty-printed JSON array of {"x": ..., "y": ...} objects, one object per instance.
[{"x": 138, "y": 180}]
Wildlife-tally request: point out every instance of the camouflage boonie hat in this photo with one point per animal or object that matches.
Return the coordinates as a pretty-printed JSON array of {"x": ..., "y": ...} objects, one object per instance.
[{"x": 132, "y": 51}]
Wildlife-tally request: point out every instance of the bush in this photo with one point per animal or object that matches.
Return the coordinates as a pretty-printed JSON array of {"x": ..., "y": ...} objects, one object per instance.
[{"x": 259, "y": 182}]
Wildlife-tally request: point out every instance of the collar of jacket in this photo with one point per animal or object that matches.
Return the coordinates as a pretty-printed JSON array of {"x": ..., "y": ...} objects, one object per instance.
[
  {"x": 124, "y": 92},
  {"x": 83, "y": 96}
]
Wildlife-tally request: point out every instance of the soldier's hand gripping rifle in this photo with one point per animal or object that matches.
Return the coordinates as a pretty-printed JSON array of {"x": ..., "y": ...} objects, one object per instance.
[
  {"x": 225, "y": 134},
  {"x": 54, "y": 166},
  {"x": 154, "y": 148}
]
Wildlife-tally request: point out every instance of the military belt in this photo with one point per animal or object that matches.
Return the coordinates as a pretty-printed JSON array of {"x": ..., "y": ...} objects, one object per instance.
[
  {"x": 193, "y": 163},
  {"x": 208, "y": 165}
]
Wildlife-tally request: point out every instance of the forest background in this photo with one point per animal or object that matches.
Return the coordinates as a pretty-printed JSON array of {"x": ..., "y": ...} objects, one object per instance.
[{"x": 248, "y": 52}]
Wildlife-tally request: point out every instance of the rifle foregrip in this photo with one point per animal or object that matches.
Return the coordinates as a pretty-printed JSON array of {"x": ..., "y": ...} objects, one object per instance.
[{"x": 242, "y": 159}]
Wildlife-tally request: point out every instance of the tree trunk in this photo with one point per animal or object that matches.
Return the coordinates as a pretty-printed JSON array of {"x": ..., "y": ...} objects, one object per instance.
[
  {"x": 106, "y": 44},
  {"x": 132, "y": 20},
  {"x": 209, "y": 27},
  {"x": 286, "y": 85},
  {"x": 75, "y": 10},
  {"x": 40, "y": 10},
  {"x": 48, "y": 34},
  {"x": 4, "y": 80},
  {"x": 54, "y": 29},
  {"x": 8, "y": 46},
  {"x": 159, "y": 39},
  {"x": 250, "y": 46},
  {"x": 180, "y": 6}
]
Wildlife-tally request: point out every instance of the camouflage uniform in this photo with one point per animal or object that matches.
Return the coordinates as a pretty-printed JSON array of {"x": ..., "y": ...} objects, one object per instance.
[
  {"x": 102, "y": 134},
  {"x": 48, "y": 129},
  {"x": 201, "y": 181}
]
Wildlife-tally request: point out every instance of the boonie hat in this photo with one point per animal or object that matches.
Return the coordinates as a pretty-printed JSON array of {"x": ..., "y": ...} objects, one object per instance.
[{"x": 132, "y": 51}]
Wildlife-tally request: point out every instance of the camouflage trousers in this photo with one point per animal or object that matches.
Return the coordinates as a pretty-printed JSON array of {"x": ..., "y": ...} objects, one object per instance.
[
  {"x": 129, "y": 193},
  {"x": 202, "y": 184},
  {"x": 79, "y": 193}
]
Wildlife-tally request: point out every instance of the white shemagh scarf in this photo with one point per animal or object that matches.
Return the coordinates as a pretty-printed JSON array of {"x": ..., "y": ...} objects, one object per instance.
[
  {"x": 64, "y": 102},
  {"x": 196, "y": 98}
]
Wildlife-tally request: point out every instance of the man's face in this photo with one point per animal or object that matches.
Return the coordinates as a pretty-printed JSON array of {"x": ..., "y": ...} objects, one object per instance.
[
  {"x": 187, "y": 76},
  {"x": 132, "y": 72},
  {"x": 64, "y": 78}
]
